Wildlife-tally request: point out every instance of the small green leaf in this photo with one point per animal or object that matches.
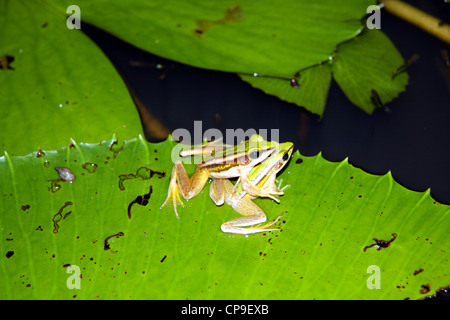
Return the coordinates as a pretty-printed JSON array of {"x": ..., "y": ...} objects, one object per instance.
[{"x": 367, "y": 63}]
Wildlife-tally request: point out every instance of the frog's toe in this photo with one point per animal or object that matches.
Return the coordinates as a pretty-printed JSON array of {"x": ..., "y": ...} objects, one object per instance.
[{"x": 174, "y": 199}]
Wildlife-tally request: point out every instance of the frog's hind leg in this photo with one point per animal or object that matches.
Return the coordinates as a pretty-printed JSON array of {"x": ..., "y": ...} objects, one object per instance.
[
  {"x": 180, "y": 183},
  {"x": 236, "y": 226},
  {"x": 254, "y": 217}
]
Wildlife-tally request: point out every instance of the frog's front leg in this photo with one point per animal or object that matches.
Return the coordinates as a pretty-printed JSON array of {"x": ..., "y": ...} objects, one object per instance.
[
  {"x": 268, "y": 189},
  {"x": 181, "y": 183},
  {"x": 254, "y": 216}
]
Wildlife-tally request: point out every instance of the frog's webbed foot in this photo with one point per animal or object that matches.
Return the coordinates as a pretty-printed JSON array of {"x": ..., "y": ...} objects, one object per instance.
[
  {"x": 236, "y": 226},
  {"x": 173, "y": 195},
  {"x": 182, "y": 185},
  {"x": 274, "y": 191},
  {"x": 267, "y": 225}
]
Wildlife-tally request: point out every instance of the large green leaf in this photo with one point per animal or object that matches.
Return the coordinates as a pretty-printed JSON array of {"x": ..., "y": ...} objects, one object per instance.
[
  {"x": 59, "y": 85},
  {"x": 331, "y": 212},
  {"x": 274, "y": 40}
]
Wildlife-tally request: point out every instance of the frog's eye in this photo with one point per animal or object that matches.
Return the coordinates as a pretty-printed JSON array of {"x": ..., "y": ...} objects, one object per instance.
[
  {"x": 286, "y": 156},
  {"x": 254, "y": 155}
]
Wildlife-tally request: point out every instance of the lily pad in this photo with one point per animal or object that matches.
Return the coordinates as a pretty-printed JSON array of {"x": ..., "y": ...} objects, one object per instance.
[
  {"x": 92, "y": 239},
  {"x": 57, "y": 85}
]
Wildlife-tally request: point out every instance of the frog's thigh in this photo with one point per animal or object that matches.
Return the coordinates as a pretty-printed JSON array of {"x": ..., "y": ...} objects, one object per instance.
[{"x": 190, "y": 187}]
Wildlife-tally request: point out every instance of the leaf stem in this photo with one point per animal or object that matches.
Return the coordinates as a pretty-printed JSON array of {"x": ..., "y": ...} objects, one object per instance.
[{"x": 423, "y": 20}]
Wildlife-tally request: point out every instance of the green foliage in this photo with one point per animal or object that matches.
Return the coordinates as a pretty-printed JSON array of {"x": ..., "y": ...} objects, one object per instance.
[
  {"x": 312, "y": 91},
  {"x": 60, "y": 85},
  {"x": 275, "y": 40},
  {"x": 366, "y": 64},
  {"x": 330, "y": 213}
]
